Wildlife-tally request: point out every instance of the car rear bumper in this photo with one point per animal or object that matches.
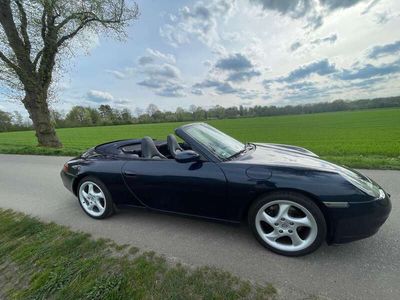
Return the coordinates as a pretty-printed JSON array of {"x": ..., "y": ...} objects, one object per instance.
[{"x": 359, "y": 220}]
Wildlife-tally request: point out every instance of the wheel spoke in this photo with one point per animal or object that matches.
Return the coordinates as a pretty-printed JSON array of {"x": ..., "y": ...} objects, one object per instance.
[
  {"x": 85, "y": 195},
  {"x": 272, "y": 236},
  {"x": 296, "y": 239},
  {"x": 98, "y": 204},
  {"x": 283, "y": 211},
  {"x": 91, "y": 189},
  {"x": 301, "y": 222},
  {"x": 267, "y": 218},
  {"x": 98, "y": 194}
]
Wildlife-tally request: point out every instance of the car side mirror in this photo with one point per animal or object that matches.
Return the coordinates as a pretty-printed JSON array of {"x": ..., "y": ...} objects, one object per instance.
[{"x": 186, "y": 156}]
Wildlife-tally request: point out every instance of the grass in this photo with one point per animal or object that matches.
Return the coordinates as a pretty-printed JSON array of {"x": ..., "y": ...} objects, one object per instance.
[
  {"x": 364, "y": 139},
  {"x": 48, "y": 261}
]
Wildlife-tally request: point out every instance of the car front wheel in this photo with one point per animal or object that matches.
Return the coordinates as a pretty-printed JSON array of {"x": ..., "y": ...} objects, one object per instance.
[
  {"x": 94, "y": 198},
  {"x": 287, "y": 223}
]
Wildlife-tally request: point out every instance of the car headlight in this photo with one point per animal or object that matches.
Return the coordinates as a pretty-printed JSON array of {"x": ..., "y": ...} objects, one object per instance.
[
  {"x": 362, "y": 183},
  {"x": 381, "y": 194}
]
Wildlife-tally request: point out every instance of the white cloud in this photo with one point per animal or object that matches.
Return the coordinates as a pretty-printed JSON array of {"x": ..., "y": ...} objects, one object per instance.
[
  {"x": 161, "y": 75},
  {"x": 332, "y": 38},
  {"x": 313, "y": 11},
  {"x": 199, "y": 21},
  {"x": 162, "y": 71},
  {"x": 99, "y": 96},
  {"x": 117, "y": 74},
  {"x": 370, "y": 6},
  {"x": 296, "y": 45},
  {"x": 153, "y": 56},
  {"x": 175, "y": 37},
  {"x": 385, "y": 50},
  {"x": 197, "y": 91},
  {"x": 126, "y": 73},
  {"x": 144, "y": 60},
  {"x": 227, "y": 76}
]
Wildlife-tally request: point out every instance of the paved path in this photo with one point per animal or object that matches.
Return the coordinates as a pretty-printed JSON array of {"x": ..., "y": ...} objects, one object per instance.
[{"x": 367, "y": 269}]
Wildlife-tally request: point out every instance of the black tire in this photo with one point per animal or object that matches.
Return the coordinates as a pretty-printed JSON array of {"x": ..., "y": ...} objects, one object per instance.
[
  {"x": 109, "y": 205},
  {"x": 296, "y": 198}
]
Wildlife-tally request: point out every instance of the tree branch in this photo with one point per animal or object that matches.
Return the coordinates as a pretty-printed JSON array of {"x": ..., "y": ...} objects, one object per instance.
[
  {"x": 49, "y": 51},
  {"x": 24, "y": 66},
  {"x": 82, "y": 25},
  {"x": 75, "y": 16},
  {"x": 43, "y": 30},
  {"x": 8, "y": 61},
  {"x": 24, "y": 25},
  {"x": 85, "y": 17},
  {"x": 38, "y": 56},
  {"x": 74, "y": 32}
]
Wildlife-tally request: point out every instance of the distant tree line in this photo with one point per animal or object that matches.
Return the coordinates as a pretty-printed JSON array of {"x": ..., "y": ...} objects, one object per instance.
[
  {"x": 80, "y": 116},
  {"x": 13, "y": 122}
]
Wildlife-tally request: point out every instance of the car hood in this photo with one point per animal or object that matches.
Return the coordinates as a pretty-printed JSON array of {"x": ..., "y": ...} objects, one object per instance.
[{"x": 287, "y": 156}]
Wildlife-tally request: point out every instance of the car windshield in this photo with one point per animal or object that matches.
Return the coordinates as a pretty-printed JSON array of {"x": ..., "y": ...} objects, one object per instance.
[{"x": 219, "y": 143}]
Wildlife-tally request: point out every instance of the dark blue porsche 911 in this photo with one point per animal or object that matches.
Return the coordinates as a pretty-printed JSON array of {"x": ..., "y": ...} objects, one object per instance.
[{"x": 291, "y": 199}]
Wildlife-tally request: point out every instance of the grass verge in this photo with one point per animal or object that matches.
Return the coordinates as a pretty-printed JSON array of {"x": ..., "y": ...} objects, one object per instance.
[
  {"x": 42, "y": 261},
  {"x": 35, "y": 150}
]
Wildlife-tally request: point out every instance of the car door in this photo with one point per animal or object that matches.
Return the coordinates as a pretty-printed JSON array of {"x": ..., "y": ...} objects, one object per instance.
[{"x": 195, "y": 188}]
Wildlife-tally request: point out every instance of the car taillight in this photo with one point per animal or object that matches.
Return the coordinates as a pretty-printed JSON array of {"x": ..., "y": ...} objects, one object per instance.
[{"x": 65, "y": 168}]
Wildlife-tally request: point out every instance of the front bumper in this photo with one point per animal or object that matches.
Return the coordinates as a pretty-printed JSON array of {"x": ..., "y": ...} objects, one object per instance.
[
  {"x": 359, "y": 220},
  {"x": 68, "y": 180}
]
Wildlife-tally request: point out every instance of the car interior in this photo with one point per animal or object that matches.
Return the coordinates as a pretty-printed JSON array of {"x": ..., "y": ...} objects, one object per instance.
[{"x": 151, "y": 149}]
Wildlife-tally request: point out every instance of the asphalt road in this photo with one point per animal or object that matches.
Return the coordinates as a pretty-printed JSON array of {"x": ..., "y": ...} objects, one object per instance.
[{"x": 367, "y": 269}]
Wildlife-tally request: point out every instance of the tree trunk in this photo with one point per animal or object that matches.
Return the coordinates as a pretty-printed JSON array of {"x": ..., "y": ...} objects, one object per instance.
[{"x": 39, "y": 113}]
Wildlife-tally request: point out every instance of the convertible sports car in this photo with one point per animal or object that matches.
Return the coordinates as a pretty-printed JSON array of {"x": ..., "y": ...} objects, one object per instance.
[{"x": 291, "y": 199}]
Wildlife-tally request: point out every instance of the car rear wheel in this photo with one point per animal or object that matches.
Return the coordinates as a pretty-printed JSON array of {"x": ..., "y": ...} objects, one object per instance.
[
  {"x": 94, "y": 198},
  {"x": 288, "y": 223}
]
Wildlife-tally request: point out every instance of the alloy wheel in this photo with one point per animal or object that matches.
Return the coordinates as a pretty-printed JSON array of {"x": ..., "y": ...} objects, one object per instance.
[
  {"x": 92, "y": 199},
  {"x": 286, "y": 225}
]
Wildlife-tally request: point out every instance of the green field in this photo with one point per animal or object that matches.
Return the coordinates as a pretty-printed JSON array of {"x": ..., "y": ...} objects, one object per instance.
[{"x": 367, "y": 138}]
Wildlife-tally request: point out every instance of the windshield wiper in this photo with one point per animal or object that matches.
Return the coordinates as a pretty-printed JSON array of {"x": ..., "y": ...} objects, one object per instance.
[{"x": 246, "y": 148}]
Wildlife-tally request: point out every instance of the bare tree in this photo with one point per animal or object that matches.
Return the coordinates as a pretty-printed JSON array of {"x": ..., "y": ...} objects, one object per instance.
[
  {"x": 152, "y": 109},
  {"x": 34, "y": 33}
]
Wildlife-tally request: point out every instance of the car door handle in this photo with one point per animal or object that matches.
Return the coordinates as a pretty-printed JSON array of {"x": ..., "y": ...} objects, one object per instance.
[{"x": 130, "y": 173}]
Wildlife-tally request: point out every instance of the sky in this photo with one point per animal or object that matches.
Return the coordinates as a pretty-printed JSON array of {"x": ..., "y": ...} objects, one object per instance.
[{"x": 238, "y": 52}]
